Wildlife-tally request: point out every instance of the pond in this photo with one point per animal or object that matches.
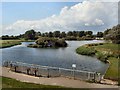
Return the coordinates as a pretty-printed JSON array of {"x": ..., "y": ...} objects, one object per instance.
[{"x": 61, "y": 57}]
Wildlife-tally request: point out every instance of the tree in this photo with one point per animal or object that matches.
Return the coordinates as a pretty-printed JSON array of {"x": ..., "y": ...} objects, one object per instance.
[
  {"x": 37, "y": 34},
  {"x": 43, "y": 34},
  {"x": 106, "y": 32},
  {"x": 46, "y": 34},
  {"x": 50, "y": 34},
  {"x": 81, "y": 33},
  {"x": 56, "y": 33},
  {"x": 100, "y": 34},
  {"x": 63, "y": 34},
  {"x": 75, "y": 33},
  {"x": 30, "y": 34},
  {"x": 114, "y": 34},
  {"x": 89, "y": 33},
  {"x": 70, "y": 33},
  {"x": 51, "y": 42}
]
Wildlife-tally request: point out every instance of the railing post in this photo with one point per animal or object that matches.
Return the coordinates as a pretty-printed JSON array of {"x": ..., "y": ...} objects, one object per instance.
[
  {"x": 59, "y": 71},
  {"x": 15, "y": 68},
  {"x": 11, "y": 64},
  {"x": 48, "y": 72},
  {"x": 99, "y": 77},
  {"x": 73, "y": 73},
  {"x": 88, "y": 75},
  {"x": 94, "y": 76}
]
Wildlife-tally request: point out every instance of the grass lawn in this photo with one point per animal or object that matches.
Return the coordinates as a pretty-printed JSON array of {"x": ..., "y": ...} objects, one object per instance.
[
  {"x": 109, "y": 49},
  {"x": 112, "y": 50},
  {"x": 9, "y": 43},
  {"x": 12, "y": 83},
  {"x": 104, "y": 51},
  {"x": 112, "y": 72}
]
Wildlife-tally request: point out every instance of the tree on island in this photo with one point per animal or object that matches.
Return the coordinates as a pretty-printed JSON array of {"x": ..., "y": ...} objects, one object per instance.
[
  {"x": 48, "y": 42},
  {"x": 29, "y": 35}
]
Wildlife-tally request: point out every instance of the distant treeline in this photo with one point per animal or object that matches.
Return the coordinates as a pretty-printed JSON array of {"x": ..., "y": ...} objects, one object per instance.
[
  {"x": 112, "y": 34},
  {"x": 6, "y": 37},
  {"x": 70, "y": 35}
]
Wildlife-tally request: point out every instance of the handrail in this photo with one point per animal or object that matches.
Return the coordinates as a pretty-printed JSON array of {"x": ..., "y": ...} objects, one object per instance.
[{"x": 49, "y": 67}]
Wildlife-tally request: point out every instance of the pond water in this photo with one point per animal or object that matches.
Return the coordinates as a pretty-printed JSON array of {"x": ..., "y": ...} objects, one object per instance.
[{"x": 61, "y": 57}]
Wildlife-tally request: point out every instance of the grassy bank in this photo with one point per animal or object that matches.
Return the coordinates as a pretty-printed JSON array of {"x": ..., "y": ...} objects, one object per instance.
[
  {"x": 12, "y": 83},
  {"x": 9, "y": 43},
  {"x": 106, "y": 52},
  {"x": 85, "y": 51},
  {"x": 112, "y": 72}
]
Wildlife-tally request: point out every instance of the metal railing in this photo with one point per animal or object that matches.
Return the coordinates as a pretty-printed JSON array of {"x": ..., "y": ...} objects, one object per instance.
[{"x": 47, "y": 71}]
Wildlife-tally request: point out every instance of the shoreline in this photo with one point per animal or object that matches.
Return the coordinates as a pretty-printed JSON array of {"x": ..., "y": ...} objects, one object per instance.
[
  {"x": 95, "y": 50},
  {"x": 20, "y": 41},
  {"x": 11, "y": 43}
]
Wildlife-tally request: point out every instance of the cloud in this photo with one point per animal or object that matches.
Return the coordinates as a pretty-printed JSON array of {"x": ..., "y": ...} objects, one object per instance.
[{"x": 82, "y": 16}]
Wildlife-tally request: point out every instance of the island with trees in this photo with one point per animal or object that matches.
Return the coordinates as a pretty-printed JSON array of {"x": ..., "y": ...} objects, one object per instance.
[{"x": 43, "y": 42}]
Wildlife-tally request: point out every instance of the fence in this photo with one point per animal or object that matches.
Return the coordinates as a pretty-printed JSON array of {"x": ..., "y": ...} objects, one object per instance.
[{"x": 46, "y": 71}]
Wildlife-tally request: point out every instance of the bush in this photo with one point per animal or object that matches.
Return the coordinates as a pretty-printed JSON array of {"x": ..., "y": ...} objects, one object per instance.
[
  {"x": 102, "y": 57},
  {"x": 49, "y": 42},
  {"x": 86, "y": 51}
]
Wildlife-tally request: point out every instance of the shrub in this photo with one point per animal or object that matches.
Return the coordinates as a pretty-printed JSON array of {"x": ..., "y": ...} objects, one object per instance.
[
  {"x": 102, "y": 57},
  {"x": 49, "y": 42},
  {"x": 86, "y": 51}
]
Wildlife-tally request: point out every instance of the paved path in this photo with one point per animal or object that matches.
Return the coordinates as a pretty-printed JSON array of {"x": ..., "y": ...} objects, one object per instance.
[{"x": 59, "y": 81}]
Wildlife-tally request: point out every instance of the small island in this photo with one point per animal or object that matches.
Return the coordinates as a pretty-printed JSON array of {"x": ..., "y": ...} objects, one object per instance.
[{"x": 44, "y": 42}]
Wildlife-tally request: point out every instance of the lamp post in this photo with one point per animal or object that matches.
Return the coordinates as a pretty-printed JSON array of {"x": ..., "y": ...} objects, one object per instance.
[{"x": 74, "y": 66}]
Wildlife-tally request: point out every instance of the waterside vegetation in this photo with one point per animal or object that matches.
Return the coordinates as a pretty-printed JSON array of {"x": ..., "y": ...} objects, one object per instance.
[
  {"x": 44, "y": 42},
  {"x": 106, "y": 52},
  {"x": 9, "y": 43}
]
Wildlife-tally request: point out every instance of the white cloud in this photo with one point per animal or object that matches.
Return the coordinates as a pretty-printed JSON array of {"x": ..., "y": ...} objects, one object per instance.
[{"x": 82, "y": 16}]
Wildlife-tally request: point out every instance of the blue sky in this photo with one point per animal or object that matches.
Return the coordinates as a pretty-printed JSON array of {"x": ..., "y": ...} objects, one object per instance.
[
  {"x": 19, "y": 17},
  {"x": 13, "y": 11}
]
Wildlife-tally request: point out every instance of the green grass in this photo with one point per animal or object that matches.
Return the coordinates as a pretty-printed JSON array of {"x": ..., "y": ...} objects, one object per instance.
[
  {"x": 9, "y": 43},
  {"x": 109, "y": 46},
  {"x": 112, "y": 72},
  {"x": 109, "y": 49},
  {"x": 104, "y": 52},
  {"x": 8, "y": 83},
  {"x": 12, "y": 83}
]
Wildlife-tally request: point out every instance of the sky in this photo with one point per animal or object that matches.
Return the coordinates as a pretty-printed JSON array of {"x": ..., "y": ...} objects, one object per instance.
[{"x": 18, "y": 17}]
